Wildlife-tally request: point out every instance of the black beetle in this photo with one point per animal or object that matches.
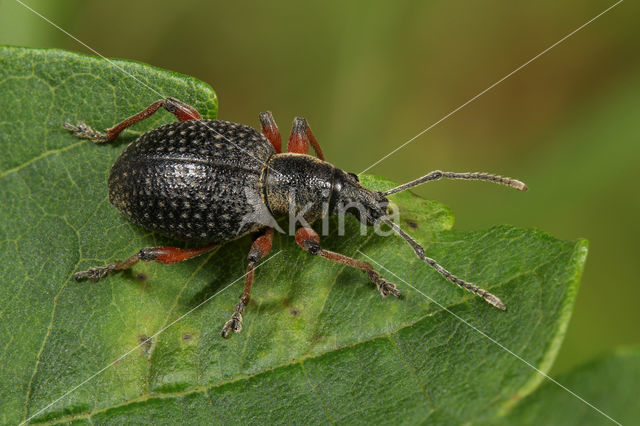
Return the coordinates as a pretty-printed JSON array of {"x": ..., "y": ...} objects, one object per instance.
[{"x": 211, "y": 181}]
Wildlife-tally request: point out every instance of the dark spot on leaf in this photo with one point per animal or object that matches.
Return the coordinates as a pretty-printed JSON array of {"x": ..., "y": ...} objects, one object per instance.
[
  {"x": 187, "y": 337},
  {"x": 142, "y": 277},
  {"x": 145, "y": 343},
  {"x": 295, "y": 312},
  {"x": 286, "y": 302},
  {"x": 411, "y": 223}
]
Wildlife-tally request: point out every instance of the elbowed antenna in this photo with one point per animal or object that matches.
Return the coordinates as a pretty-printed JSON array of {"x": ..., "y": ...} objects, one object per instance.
[
  {"x": 488, "y": 297},
  {"x": 437, "y": 174}
]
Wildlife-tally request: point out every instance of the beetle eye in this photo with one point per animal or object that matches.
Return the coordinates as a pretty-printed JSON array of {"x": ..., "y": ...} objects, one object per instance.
[{"x": 355, "y": 176}]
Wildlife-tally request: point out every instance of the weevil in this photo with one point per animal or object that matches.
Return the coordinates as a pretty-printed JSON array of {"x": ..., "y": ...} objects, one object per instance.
[{"x": 207, "y": 182}]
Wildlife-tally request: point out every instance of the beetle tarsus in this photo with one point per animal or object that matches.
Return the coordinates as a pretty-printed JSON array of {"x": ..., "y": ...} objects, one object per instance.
[
  {"x": 235, "y": 323},
  {"x": 94, "y": 274},
  {"x": 385, "y": 287},
  {"x": 84, "y": 131}
]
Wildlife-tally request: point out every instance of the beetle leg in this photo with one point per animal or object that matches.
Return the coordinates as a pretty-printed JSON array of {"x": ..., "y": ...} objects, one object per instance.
[
  {"x": 314, "y": 141},
  {"x": 270, "y": 130},
  {"x": 309, "y": 241},
  {"x": 164, "y": 254},
  {"x": 181, "y": 110},
  {"x": 298, "y": 140},
  {"x": 301, "y": 135},
  {"x": 259, "y": 249}
]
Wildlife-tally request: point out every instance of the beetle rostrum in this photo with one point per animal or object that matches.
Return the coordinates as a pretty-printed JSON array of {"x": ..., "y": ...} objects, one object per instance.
[{"x": 211, "y": 181}]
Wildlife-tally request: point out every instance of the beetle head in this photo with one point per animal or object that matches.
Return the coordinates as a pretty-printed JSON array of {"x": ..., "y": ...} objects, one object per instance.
[{"x": 350, "y": 197}]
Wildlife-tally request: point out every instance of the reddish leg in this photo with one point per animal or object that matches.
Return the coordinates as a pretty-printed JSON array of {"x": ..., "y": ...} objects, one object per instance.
[
  {"x": 309, "y": 241},
  {"x": 300, "y": 137},
  {"x": 259, "y": 249},
  {"x": 181, "y": 110},
  {"x": 270, "y": 130},
  {"x": 314, "y": 142},
  {"x": 164, "y": 254},
  {"x": 298, "y": 140}
]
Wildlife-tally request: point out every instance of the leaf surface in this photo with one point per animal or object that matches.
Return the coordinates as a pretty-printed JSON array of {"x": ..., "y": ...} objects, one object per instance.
[
  {"x": 611, "y": 383},
  {"x": 319, "y": 344}
]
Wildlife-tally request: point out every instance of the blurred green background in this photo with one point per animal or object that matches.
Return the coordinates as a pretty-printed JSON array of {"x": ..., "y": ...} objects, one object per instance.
[{"x": 371, "y": 75}]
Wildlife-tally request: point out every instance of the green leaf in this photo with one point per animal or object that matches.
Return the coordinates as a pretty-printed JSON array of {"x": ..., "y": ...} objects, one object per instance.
[
  {"x": 612, "y": 384},
  {"x": 319, "y": 344}
]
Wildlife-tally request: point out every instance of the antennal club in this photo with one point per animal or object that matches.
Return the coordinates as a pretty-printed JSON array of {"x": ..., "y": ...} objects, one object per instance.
[
  {"x": 488, "y": 297},
  {"x": 437, "y": 175}
]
